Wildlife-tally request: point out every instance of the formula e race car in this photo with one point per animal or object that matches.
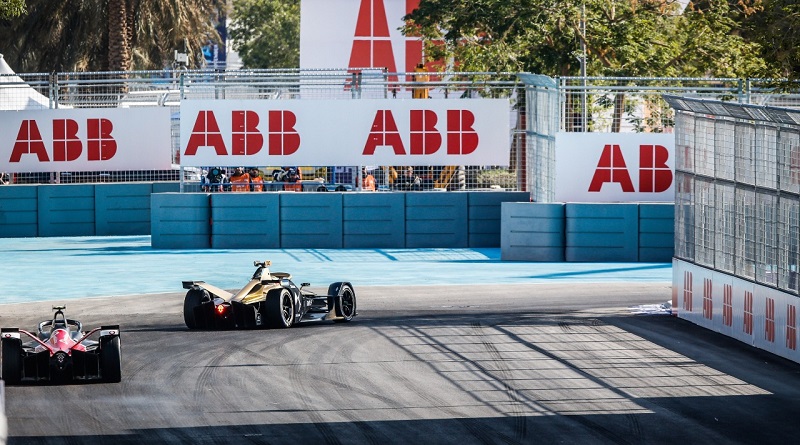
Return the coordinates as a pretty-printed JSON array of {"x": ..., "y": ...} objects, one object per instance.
[
  {"x": 61, "y": 352},
  {"x": 269, "y": 299}
]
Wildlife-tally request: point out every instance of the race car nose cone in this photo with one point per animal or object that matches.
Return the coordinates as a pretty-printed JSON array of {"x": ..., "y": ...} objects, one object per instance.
[{"x": 61, "y": 359}]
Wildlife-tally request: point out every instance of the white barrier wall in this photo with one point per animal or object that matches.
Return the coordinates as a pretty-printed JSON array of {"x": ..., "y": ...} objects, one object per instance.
[{"x": 752, "y": 313}]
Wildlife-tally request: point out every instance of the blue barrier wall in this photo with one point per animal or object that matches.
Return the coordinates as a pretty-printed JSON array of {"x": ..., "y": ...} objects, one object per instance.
[
  {"x": 19, "y": 211},
  {"x": 656, "y": 232},
  {"x": 245, "y": 221},
  {"x": 484, "y": 214},
  {"x": 336, "y": 219},
  {"x": 532, "y": 232},
  {"x": 373, "y": 220},
  {"x": 66, "y": 210},
  {"x": 587, "y": 232},
  {"x": 602, "y": 232},
  {"x": 311, "y": 220},
  {"x": 436, "y": 219},
  {"x": 180, "y": 220},
  {"x": 122, "y": 209}
]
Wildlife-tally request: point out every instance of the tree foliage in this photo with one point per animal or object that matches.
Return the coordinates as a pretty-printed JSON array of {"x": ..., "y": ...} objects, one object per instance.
[
  {"x": 266, "y": 33},
  {"x": 622, "y": 38},
  {"x": 86, "y": 35},
  {"x": 776, "y": 30},
  {"x": 11, "y": 8}
]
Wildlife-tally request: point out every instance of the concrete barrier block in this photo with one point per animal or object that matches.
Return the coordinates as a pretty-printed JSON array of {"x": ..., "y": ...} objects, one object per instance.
[
  {"x": 122, "y": 209},
  {"x": 180, "y": 220},
  {"x": 66, "y": 210},
  {"x": 484, "y": 214},
  {"x": 532, "y": 231},
  {"x": 166, "y": 187},
  {"x": 19, "y": 211},
  {"x": 602, "y": 232},
  {"x": 245, "y": 221},
  {"x": 373, "y": 220},
  {"x": 311, "y": 220},
  {"x": 436, "y": 219},
  {"x": 656, "y": 232}
]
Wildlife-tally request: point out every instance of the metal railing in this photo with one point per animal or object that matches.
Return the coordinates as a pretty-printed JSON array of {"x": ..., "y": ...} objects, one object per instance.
[{"x": 541, "y": 107}]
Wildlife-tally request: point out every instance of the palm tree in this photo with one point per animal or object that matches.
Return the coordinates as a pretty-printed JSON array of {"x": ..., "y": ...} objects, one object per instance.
[{"x": 120, "y": 35}]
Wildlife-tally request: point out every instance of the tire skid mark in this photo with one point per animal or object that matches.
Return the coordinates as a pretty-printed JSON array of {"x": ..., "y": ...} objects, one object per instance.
[
  {"x": 483, "y": 436},
  {"x": 518, "y": 413},
  {"x": 205, "y": 380},
  {"x": 342, "y": 353},
  {"x": 305, "y": 385}
]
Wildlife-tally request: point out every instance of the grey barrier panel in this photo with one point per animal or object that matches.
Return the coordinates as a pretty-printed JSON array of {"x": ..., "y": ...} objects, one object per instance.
[
  {"x": 532, "y": 231},
  {"x": 245, "y": 221},
  {"x": 602, "y": 232},
  {"x": 66, "y": 210},
  {"x": 19, "y": 211},
  {"x": 484, "y": 215},
  {"x": 311, "y": 220},
  {"x": 436, "y": 219},
  {"x": 180, "y": 220},
  {"x": 656, "y": 232},
  {"x": 373, "y": 220},
  {"x": 122, "y": 209}
]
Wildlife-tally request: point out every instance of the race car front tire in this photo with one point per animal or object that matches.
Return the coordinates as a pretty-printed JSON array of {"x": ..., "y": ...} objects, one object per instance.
[
  {"x": 279, "y": 308},
  {"x": 12, "y": 360},
  {"x": 345, "y": 303},
  {"x": 194, "y": 298},
  {"x": 110, "y": 360}
]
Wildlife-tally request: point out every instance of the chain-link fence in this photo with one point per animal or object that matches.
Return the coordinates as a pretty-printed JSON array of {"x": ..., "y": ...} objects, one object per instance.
[
  {"x": 548, "y": 106},
  {"x": 169, "y": 87},
  {"x": 738, "y": 189}
]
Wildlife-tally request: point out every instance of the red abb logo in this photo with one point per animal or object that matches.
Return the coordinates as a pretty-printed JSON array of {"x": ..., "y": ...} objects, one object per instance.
[
  {"x": 282, "y": 138},
  {"x": 654, "y": 173},
  {"x": 424, "y": 137},
  {"x": 67, "y": 145},
  {"x": 372, "y": 44}
]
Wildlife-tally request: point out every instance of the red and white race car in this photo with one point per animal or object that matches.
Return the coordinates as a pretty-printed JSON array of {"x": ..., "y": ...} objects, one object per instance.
[{"x": 60, "y": 351}]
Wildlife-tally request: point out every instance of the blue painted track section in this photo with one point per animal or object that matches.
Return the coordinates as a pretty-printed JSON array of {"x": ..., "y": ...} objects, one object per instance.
[{"x": 41, "y": 269}]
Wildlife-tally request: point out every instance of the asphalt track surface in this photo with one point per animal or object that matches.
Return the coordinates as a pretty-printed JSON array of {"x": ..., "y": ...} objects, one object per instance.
[{"x": 545, "y": 361}]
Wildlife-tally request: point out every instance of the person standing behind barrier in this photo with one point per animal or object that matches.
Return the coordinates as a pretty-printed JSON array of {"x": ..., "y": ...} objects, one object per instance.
[
  {"x": 420, "y": 91},
  {"x": 368, "y": 182},
  {"x": 293, "y": 179},
  {"x": 240, "y": 181},
  {"x": 256, "y": 181},
  {"x": 409, "y": 181},
  {"x": 5, "y": 179},
  {"x": 215, "y": 178}
]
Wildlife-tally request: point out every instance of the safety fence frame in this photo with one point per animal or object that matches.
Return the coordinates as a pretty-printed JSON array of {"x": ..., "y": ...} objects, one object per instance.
[
  {"x": 738, "y": 190},
  {"x": 548, "y": 105}
]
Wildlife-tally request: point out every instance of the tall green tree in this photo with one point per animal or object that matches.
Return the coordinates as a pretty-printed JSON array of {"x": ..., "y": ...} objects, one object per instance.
[
  {"x": 777, "y": 32},
  {"x": 622, "y": 38},
  {"x": 266, "y": 33},
  {"x": 116, "y": 35}
]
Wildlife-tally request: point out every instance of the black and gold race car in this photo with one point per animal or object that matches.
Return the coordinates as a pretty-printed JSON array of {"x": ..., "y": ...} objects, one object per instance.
[{"x": 269, "y": 299}]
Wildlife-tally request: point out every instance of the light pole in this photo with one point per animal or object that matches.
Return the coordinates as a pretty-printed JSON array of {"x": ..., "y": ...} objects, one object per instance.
[{"x": 583, "y": 68}]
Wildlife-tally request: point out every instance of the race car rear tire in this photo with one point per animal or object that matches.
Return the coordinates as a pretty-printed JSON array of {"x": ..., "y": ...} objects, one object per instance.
[
  {"x": 110, "y": 360},
  {"x": 12, "y": 360},
  {"x": 345, "y": 304},
  {"x": 194, "y": 298},
  {"x": 279, "y": 308}
]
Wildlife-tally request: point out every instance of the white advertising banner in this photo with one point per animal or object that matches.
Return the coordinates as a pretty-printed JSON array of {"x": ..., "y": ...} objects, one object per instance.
[
  {"x": 345, "y": 132},
  {"x": 615, "y": 167},
  {"x": 97, "y": 139},
  {"x": 357, "y": 34}
]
